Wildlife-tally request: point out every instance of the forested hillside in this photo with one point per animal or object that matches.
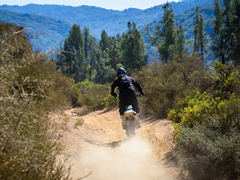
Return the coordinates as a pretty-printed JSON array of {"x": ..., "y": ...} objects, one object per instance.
[
  {"x": 98, "y": 19},
  {"x": 51, "y": 31},
  {"x": 186, "y": 18}
]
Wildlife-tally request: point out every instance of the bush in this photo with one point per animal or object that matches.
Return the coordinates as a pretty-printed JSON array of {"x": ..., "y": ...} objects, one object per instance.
[
  {"x": 75, "y": 95},
  {"x": 207, "y": 128},
  {"x": 51, "y": 87},
  {"x": 95, "y": 96},
  {"x": 110, "y": 102},
  {"x": 197, "y": 107},
  {"x": 66, "y": 119},
  {"x": 29, "y": 88},
  {"x": 165, "y": 85},
  {"x": 79, "y": 122},
  {"x": 207, "y": 153}
]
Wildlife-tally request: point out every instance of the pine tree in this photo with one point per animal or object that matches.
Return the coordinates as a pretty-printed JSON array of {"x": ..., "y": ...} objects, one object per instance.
[
  {"x": 218, "y": 40},
  {"x": 115, "y": 52},
  {"x": 202, "y": 37},
  {"x": 74, "y": 38},
  {"x": 180, "y": 41},
  {"x": 73, "y": 50},
  {"x": 86, "y": 37},
  {"x": 165, "y": 35},
  {"x": 100, "y": 68},
  {"x": 133, "y": 49},
  {"x": 79, "y": 60},
  {"x": 196, "y": 30},
  {"x": 199, "y": 33},
  {"x": 226, "y": 27},
  {"x": 93, "y": 46},
  {"x": 105, "y": 41},
  {"x": 234, "y": 29}
]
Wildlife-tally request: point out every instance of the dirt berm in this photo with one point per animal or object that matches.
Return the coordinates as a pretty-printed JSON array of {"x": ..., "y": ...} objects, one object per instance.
[{"x": 100, "y": 148}]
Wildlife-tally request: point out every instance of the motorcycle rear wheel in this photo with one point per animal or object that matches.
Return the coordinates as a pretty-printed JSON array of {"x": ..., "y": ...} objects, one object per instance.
[{"x": 131, "y": 128}]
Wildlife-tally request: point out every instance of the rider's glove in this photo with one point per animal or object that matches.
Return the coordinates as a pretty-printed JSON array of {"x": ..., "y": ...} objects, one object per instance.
[
  {"x": 117, "y": 97},
  {"x": 142, "y": 94}
]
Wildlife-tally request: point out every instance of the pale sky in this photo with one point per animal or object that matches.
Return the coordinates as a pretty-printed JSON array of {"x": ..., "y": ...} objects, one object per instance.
[{"x": 107, "y": 4}]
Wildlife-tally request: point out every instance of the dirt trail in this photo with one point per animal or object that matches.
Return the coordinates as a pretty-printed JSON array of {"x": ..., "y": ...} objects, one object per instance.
[{"x": 100, "y": 147}]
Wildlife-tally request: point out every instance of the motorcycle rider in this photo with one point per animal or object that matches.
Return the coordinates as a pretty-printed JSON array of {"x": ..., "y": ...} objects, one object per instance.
[{"x": 127, "y": 93}]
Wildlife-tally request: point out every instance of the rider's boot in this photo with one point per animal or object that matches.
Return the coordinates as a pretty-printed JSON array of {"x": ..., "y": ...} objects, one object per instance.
[
  {"x": 123, "y": 122},
  {"x": 138, "y": 120}
]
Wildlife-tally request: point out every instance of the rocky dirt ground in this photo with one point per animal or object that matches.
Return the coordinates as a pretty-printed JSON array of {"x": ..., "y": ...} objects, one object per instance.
[{"x": 100, "y": 148}]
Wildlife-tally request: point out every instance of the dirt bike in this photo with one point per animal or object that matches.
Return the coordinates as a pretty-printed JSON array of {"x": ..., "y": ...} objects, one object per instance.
[{"x": 130, "y": 117}]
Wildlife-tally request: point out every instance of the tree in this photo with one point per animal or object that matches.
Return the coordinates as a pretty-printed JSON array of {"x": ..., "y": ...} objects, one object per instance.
[
  {"x": 180, "y": 41},
  {"x": 199, "y": 33},
  {"x": 77, "y": 65},
  {"x": 234, "y": 31},
  {"x": 218, "y": 40},
  {"x": 196, "y": 29},
  {"x": 115, "y": 52},
  {"x": 93, "y": 50},
  {"x": 73, "y": 52},
  {"x": 133, "y": 49},
  {"x": 165, "y": 34},
  {"x": 86, "y": 37},
  {"x": 202, "y": 36},
  {"x": 226, "y": 27},
  {"x": 74, "y": 39},
  {"x": 105, "y": 41}
]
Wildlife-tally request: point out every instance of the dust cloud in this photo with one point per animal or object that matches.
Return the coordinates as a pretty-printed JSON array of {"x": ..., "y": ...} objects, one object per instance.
[{"x": 130, "y": 160}]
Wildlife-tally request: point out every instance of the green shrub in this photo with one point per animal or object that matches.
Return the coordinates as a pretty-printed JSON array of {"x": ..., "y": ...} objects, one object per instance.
[
  {"x": 76, "y": 95},
  {"x": 110, "y": 102},
  {"x": 165, "y": 85},
  {"x": 94, "y": 96},
  {"x": 207, "y": 128},
  {"x": 79, "y": 122},
  {"x": 66, "y": 119},
  {"x": 212, "y": 101},
  {"x": 197, "y": 108}
]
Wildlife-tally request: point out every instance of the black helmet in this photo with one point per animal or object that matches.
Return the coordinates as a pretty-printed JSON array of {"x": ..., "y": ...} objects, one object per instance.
[{"x": 120, "y": 71}]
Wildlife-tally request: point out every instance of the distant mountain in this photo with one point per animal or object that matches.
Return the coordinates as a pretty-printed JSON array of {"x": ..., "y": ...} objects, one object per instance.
[
  {"x": 186, "y": 19},
  {"x": 98, "y": 19},
  {"x": 57, "y": 20},
  {"x": 53, "y": 30}
]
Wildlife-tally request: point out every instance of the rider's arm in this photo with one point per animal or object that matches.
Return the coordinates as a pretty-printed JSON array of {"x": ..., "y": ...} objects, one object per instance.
[
  {"x": 113, "y": 86},
  {"x": 138, "y": 86}
]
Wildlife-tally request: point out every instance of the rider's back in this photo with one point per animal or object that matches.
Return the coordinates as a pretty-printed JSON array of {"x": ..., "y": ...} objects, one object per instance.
[{"x": 126, "y": 85}]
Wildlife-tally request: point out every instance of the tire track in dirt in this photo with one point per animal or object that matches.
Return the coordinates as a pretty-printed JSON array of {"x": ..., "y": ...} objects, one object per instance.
[{"x": 100, "y": 147}]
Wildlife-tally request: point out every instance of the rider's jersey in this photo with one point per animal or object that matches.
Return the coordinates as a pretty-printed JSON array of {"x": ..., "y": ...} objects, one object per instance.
[{"x": 126, "y": 91}]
